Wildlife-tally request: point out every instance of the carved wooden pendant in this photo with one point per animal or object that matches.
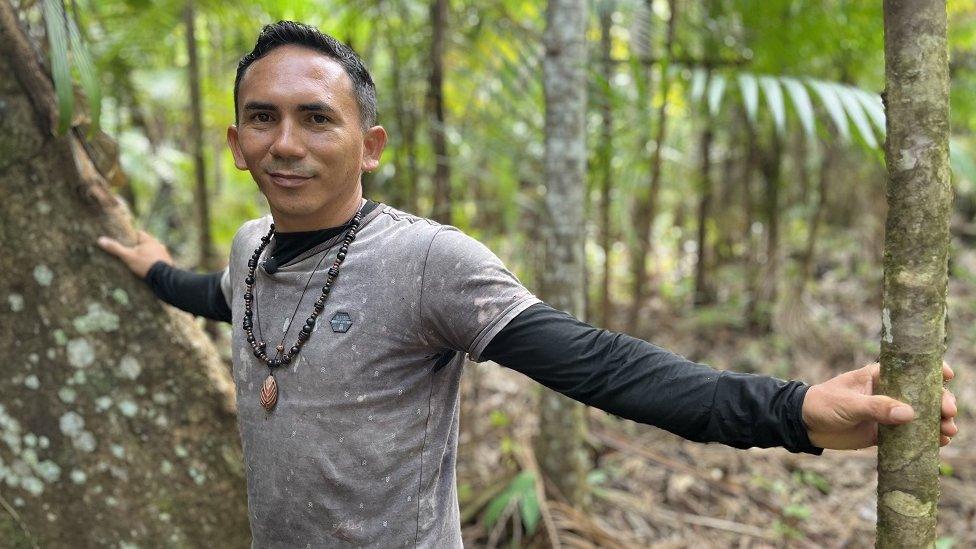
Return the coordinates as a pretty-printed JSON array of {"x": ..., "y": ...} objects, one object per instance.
[{"x": 269, "y": 393}]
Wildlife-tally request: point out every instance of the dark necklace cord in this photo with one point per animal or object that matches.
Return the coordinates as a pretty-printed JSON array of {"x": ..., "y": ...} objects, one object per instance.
[
  {"x": 257, "y": 313},
  {"x": 259, "y": 347}
]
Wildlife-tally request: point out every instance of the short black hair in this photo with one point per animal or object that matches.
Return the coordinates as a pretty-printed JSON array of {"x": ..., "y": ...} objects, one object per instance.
[{"x": 290, "y": 32}]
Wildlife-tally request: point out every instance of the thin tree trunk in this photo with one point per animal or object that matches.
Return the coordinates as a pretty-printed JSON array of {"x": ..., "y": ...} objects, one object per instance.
[
  {"x": 204, "y": 239},
  {"x": 916, "y": 252},
  {"x": 435, "y": 113},
  {"x": 767, "y": 289},
  {"x": 560, "y": 449},
  {"x": 806, "y": 268},
  {"x": 646, "y": 205},
  {"x": 702, "y": 291},
  {"x": 606, "y": 159},
  {"x": 117, "y": 415}
]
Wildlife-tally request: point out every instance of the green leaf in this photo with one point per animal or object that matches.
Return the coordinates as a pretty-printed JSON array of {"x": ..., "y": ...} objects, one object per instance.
[
  {"x": 946, "y": 542},
  {"x": 57, "y": 36},
  {"x": 814, "y": 479},
  {"x": 945, "y": 469},
  {"x": 86, "y": 73},
  {"x": 530, "y": 510},
  {"x": 833, "y": 106},
  {"x": 498, "y": 418},
  {"x": 797, "y": 511},
  {"x": 802, "y": 105},
  {"x": 699, "y": 78},
  {"x": 715, "y": 90},
  {"x": 854, "y": 110},
  {"x": 516, "y": 490},
  {"x": 750, "y": 95},
  {"x": 774, "y": 98},
  {"x": 494, "y": 509}
]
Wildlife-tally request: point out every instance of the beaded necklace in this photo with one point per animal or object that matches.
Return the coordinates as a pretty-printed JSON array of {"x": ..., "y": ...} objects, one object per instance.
[{"x": 269, "y": 389}]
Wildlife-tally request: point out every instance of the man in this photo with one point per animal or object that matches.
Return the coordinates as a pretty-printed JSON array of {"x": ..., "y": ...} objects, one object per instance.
[{"x": 349, "y": 420}]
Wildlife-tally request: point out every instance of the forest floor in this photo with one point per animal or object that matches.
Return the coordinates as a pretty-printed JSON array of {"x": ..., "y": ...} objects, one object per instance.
[{"x": 653, "y": 489}]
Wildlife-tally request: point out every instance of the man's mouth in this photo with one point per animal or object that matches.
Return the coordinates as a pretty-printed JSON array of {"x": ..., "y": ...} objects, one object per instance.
[{"x": 288, "y": 180}]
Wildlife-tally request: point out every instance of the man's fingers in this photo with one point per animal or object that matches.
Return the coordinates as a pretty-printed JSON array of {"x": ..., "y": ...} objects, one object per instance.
[
  {"x": 886, "y": 410},
  {"x": 947, "y": 372},
  {"x": 113, "y": 246},
  {"x": 949, "y": 428},
  {"x": 949, "y": 408},
  {"x": 943, "y": 440}
]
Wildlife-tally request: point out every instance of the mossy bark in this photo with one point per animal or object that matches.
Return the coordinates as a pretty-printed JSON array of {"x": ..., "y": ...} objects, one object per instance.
[
  {"x": 915, "y": 267},
  {"x": 117, "y": 422}
]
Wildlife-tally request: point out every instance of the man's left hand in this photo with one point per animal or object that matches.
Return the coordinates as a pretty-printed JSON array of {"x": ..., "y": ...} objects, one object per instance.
[{"x": 843, "y": 413}]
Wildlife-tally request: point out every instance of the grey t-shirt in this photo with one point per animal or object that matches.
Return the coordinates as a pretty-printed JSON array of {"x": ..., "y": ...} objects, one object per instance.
[{"x": 360, "y": 449}]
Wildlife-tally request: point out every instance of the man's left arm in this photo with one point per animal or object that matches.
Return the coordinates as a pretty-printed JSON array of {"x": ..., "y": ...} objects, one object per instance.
[{"x": 636, "y": 380}]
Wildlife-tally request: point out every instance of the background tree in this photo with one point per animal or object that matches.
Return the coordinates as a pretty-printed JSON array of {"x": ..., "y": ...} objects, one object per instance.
[
  {"x": 435, "y": 112},
  {"x": 562, "y": 427}
]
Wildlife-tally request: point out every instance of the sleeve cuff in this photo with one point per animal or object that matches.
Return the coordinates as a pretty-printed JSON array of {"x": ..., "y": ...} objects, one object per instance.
[
  {"x": 799, "y": 434},
  {"x": 154, "y": 272}
]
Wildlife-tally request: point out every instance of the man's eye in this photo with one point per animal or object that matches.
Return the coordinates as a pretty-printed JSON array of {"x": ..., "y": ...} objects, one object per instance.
[
  {"x": 261, "y": 117},
  {"x": 320, "y": 118}
]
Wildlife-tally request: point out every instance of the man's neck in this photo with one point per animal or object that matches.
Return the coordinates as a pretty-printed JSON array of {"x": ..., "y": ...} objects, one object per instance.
[{"x": 334, "y": 217}]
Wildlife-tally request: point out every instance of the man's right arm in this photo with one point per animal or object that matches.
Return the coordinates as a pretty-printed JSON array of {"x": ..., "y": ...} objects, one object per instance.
[{"x": 199, "y": 294}]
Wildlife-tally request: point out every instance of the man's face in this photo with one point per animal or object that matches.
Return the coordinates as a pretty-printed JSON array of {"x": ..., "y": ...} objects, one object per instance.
[{"x": 300, "y": 136}]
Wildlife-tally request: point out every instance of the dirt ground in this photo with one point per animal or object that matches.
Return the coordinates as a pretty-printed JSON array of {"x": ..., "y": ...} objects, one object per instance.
[{"x": 654, "y": 489}]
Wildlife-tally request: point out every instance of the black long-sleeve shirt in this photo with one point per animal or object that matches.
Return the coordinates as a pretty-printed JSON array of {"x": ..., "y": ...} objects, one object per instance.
[{"x": 615, "y": 372}]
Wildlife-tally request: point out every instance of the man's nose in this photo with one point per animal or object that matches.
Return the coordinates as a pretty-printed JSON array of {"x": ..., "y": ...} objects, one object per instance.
[{"x": 288, "y": 143}]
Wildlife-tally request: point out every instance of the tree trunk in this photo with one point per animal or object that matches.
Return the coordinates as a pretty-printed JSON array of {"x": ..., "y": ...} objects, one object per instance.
[
  {"x": 806, "y": 268},
  {"x": 916, "y": 252},
  {"x": 117, "y": 418},
  {"x": 606, "y": 158},
  {"x": 435, "y": 113},
  {"x": 562, "y": 455},
  {"x": 761, "y": 307},
  {"x": 404, "y": 194},
  {"x": 645, "y": 209},
  {"x": 702, "y": 291},
  {"x": 204, "y": 240}
]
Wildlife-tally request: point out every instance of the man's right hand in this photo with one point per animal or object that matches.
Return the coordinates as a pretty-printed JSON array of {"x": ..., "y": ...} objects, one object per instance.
[{"x": 138, "y": 258}]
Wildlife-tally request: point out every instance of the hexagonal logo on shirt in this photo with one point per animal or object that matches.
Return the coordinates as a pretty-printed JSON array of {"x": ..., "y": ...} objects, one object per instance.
[{"x": 341, "y": 322}]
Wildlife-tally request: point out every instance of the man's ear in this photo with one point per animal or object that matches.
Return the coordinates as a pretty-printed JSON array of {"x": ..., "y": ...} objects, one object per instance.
[
  {"x": 373, "y": 142},
  {"x": 234, "y": 144}
]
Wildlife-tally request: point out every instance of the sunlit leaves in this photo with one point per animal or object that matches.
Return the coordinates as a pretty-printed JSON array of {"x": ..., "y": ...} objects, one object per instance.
[
  {"x": 834, "y": 108},
  {"x": 66, "y": 46},
  {"x": 716, "y": 88},
  {"x": 801, "y": 104},
  {"x": 57, "y": 35},
  {"x": 86, "y": 72},
  {"x": 871, "y": 102},
  {"x": 774, "y": 99},
  {"x": 699, "y": 79},
  {"x": 749, "y": 89},
  {"x": 843, "y": 105},
  {"x": 853, "y": 107}
]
